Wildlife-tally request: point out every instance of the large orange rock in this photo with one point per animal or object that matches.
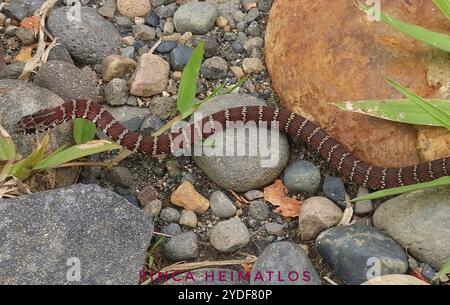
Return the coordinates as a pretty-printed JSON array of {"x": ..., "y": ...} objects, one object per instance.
[{"x": 320, "y": 52}]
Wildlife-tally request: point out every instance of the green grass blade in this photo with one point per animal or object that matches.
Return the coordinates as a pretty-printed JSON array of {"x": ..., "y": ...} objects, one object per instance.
[
  {"x": 397, "y": 110},
  {"x": 434, "y": 39},
  {"x": 188, "y": 83},
  {"x": 23, "y": 168},
  {"x": 444, "y": 6},
  {"x": 444, "y": 271},
  {"x": 83, "y": 131},
  {"x": 7, "y": 148},
  {"x": 76, "y": 152},
  {"x": 404, "y": 189},
  {"x": 439, "y": 114}
]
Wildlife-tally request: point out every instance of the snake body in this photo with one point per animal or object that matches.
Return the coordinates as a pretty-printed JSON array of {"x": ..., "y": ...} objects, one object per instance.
[{"x": 315, "y": 138}]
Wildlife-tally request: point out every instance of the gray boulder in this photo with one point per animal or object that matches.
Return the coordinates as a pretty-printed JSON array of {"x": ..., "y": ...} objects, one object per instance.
[{"x": 82, "y": 234}]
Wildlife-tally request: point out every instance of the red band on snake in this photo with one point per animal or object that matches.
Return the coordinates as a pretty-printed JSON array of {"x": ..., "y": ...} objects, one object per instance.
[{"x": 316, "y": 139}]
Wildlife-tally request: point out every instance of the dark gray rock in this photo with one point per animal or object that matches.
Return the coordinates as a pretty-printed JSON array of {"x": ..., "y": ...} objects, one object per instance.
[
  {"x": 214, "y": 68},
  {"x": 334, "y": 188},
  {"x": 358, "y": 253},
  {"x": 66, "y": 80},
  {"x": 179, "y": 57},
  {"x": 284, "y": 263},
  {"x": 237, "y": 47},
  {"x": 129, "y": 52},
  {"x": 152, "y": 19},
  {"x": 88, "y": 40},
  {"x": 166, "y": 46},
  {"x": 419, "y": 222},
  {"x": 17, "y": 9},
  {"x": 253, "y": 29},
  {"x": 60, "y": 52},
  {"x": 131, "y": 199},
  {"x": 26, "y": 36},
  {"x": 237, "y": 172},
  {"x": 151, "y": 124},
  {"x": 258, "y": 210},
  {"x": 302, "y": 176},
  {"x": 197, "y": 18},
  {"x": 183, "y": 246},
  {"x": 166, "y": 10},
  {"x": 12, "y": 71},
  {"x": 221, "y": 205},
  {"x": 133, "y": 124},
  {"x": 120, "y": 176},
  {"x": 45, "y": 236},
  {"x": 252, "y": 15}
]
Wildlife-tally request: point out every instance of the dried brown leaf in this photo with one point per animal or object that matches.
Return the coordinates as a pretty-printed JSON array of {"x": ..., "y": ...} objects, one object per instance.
[{"x": 276, "y": 194}]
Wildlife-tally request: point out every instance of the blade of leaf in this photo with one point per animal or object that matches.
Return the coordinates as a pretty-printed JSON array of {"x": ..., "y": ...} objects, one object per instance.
[
  {"x": 188, "y": 87},
  {"x": 83, "y": 131},
  {"x": 434, "y": 39},
  {"x": 7, "y": 147},
  {"x": 23, "y": 168},
  {"x": 397, "y": 110},
  {"x": 4, "y": 171},
  {"x": 444, "y": 6},
  {"x": 444, "y": 271},
  {"x": 404, "y": 189},
  {"x": 439, "y": 114},
  {"x": 76, "y": 152}
]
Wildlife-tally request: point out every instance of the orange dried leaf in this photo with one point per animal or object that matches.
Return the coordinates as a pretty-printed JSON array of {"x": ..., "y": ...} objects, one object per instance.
[
  {"x": 31, "y": 23},
  {"x": 24, "y": 54},
  {"x": 247, "y": 267},
  {"x": 276, "y": 194}
]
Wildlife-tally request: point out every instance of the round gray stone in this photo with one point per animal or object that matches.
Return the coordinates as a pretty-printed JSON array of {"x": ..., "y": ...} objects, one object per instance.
[
  {"x": 258, "y": 210},
  {"x": 116, "y": 92},
  {"x": 88, "y": 40},
  {"x": 274, "y": 228},
  {"x": 172, "y": 229},
  {"x": 302, "y": 176},
  {"x": 241, "y": 173},
  {"x": 183, "y": 246},
  {"x": 121, "y": 176},
  {"x": 284, "y": 263},
  {"x": 419, "y": 222},
  {"x": 170, "y": 215},
  {"x": 188, "y": 218},
  {"x": 221, "y": 205},
  {"x": 214, "y": 68},
  {"x": 229, "y": 235},
  {"x": 197, "y": 18},
  {"x": 358, "y": 252}
]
